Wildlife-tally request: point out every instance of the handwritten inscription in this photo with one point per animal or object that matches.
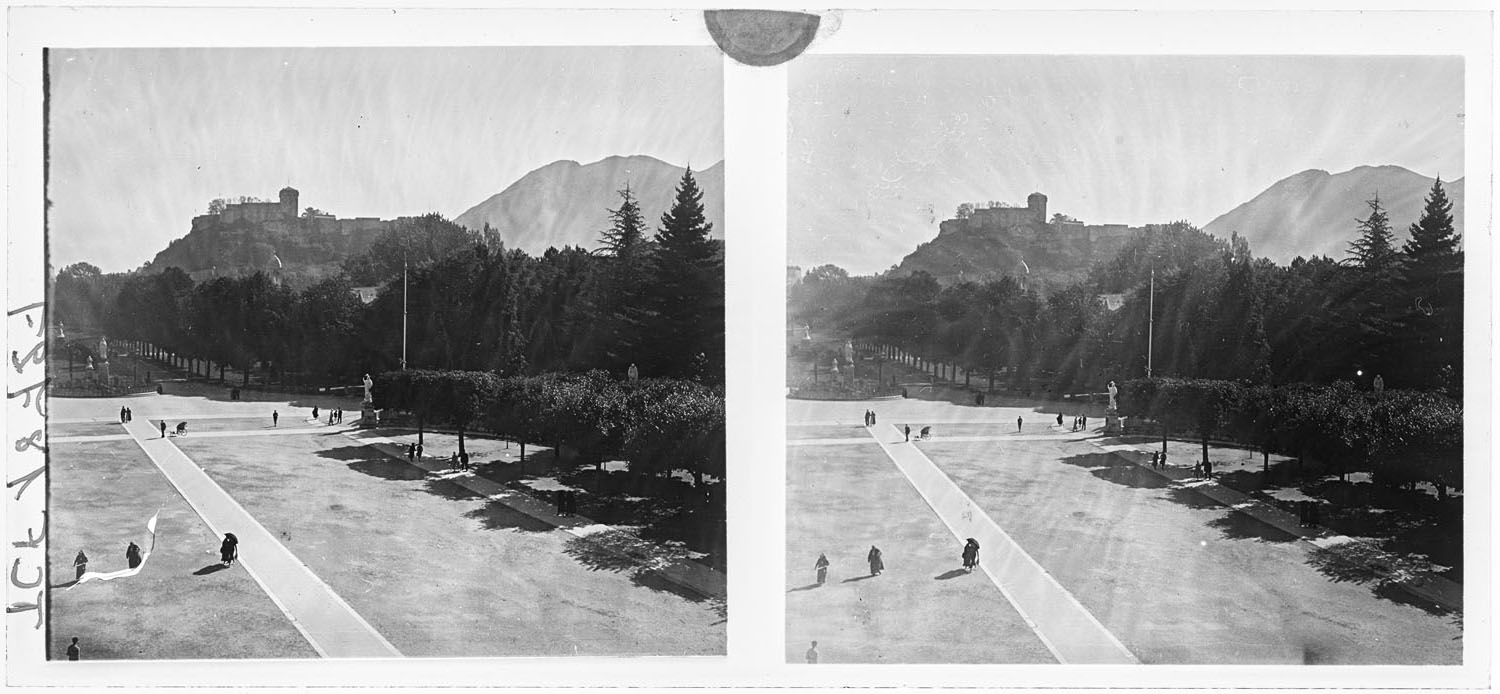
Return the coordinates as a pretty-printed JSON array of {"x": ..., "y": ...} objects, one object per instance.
[{"x": 26, "y": 410}]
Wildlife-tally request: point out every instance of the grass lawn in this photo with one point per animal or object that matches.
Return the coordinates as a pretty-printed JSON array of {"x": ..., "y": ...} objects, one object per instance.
[
  {"x": 922, "y": 609},
  {"x": 439, "y": 571},
  {"x": 180, "y": 605},
  {"x": 84, "y": 429}
]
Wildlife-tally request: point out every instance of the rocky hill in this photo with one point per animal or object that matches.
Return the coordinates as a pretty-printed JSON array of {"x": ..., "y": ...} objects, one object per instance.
[
  {"x": 566, "y": 203},
  {"x": 1315, "y": 212}
]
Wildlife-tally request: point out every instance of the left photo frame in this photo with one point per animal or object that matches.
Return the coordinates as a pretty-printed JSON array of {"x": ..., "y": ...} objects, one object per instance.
[{"x": 378, "y": 351}]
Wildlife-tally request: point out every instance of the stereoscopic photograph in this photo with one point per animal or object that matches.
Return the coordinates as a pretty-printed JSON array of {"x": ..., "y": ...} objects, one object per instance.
[
  {"x": 1125, "y": 359},
  {"x": 384, "y": 352}
]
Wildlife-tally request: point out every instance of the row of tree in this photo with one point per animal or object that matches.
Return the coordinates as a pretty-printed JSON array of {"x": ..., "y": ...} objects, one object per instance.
[
  {"x": 657, "y": 425},
  {"x": 1218, "y": 313},
  {"x": 466, "y": 302},
  {"x": 1402, "y": 436}
]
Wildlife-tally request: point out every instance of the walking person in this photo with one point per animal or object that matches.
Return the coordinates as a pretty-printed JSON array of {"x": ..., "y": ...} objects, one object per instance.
[
  {"x": 822, "y": 567},
  {"x": 274, "y": 417},
  {"x": 1018, "y": 424},
  {"x": 463, "y": 460},
  {"x": 872, "y": 417},
  {"x": 1083, "y": 421},
  {"x": 229, "y": 550},
  {"x": 877, "y": 563},
  {"x": 122, "y": 414},
  {"x": 908, "y": 433},
  {"x": 129, "y": 415},
  {"x": 419, "y": 451},
  {"x": 812, "y": 654},
  {"x": 315, "y": 413},
  {"x": 80, "y": 563},
  {"x": 1208, "y": 469},
  {"x": 74, "y": 652},
  {"x": 132, "y": 556},
  {"x": 971, "y": 554},
  {"x": 1059, "y": 419},
  {"x": 164, "y": 428}
]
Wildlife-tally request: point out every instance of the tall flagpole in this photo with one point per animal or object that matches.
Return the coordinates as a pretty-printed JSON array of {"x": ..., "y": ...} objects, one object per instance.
[
  {"x": 403, "y": 311},
  {"x": 1151, "y": 321}
]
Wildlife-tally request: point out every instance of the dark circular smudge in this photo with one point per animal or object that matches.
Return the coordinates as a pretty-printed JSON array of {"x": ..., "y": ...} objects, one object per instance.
[{"x": 761, "y": 37}]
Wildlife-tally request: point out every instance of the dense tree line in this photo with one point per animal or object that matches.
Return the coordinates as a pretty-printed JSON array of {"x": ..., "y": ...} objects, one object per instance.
[
  {"x": 657, "y": 425},
  {"x": 1402, "y": 436},
  {"x": 471, "y": 304},
  {"x": 1219, "y": 313}
]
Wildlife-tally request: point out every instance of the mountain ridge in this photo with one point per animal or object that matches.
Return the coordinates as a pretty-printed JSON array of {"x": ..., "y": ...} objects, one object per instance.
[
  {"x": 567, "y": 203},
  {"x": 1314, "y": 212}
]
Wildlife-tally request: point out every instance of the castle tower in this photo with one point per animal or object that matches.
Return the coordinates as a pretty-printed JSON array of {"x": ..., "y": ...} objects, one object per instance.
[
  {"x": 289, "y": 202},
  {"x": 1037, "y": 203}
]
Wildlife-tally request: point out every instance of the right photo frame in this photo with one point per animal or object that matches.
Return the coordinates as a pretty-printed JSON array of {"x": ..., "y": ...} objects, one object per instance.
[{"x": 1127, "y": 359}]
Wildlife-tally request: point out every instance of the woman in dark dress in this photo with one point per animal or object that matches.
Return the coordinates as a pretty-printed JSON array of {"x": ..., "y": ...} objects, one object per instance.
[
  {"x": 877, "y": 564},
  {"x": 822, "y": 568},
  {"x": 230, "y": 549},
  {"x": 971, "y": 554}
]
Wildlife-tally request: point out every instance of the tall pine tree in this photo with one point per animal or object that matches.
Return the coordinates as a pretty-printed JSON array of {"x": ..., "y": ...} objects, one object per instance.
[
  {"x": 1432, "y": 284},
  {"x": 688, "y": 291},
  {"x": 618, "y": 292},
  {"x": 1375, "y": 248}
]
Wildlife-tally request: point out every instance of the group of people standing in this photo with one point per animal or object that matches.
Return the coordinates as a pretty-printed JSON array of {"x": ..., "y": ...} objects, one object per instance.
[
  {"x": 1080, "y": 423},
  {"x": 126, "y": 415},
  {"x": 413, "y": 452},
  {"x": 567, "y": 502},
  {"x": 869, "y": 418},
  {"x": 459, "y": 461},
  {"x": 335, "y": 415}
]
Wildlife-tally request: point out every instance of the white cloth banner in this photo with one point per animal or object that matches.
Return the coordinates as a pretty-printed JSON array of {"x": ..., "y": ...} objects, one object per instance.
[{"x": 123, "y": 573}]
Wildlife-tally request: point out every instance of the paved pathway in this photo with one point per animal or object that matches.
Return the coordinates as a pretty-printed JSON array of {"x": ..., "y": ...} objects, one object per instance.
[
  {"x": 1062, "y": 623},
  {"x": 682, "y": 572},
  {"x": 327, "y": 622}
]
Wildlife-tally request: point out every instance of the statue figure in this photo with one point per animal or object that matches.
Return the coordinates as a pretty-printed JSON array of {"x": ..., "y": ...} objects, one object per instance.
[
  {"x": 368, "y": 385},
  {"x": 633, "y": 373},
  {"x": 103, "y": 348},
  {"x": 90, "y": 365},
  {"x": 1113, "y": 391},
  {"x": 1379, "y": 384}
]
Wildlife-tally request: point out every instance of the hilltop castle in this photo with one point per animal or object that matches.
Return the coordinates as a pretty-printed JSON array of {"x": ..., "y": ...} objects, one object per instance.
[
  {"x": 1034, "y": 217},
  {"x": 246, "y": 237},
  {"x": 998, "y": 240}
]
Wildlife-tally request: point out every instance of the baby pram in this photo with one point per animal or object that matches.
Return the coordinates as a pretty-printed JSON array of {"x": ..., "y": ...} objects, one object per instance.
[
  {"x": 926, "y": 433},
  {"x": 181, "y": 429}
]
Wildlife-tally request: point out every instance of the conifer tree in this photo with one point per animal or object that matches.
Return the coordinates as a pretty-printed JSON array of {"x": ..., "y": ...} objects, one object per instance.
[
  {"x": 619, "y": 291},
  {"x": 1433, "y": 244},
  {"x": 688, "y": 290},
  {"x": 627, "y": 227},
  {"x": 1375, "y": 248}
]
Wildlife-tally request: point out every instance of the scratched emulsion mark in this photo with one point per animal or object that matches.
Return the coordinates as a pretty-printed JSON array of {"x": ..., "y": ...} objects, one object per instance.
[
  {"x": 761, "y": 37},
  {"x": 26, "y": 511}
]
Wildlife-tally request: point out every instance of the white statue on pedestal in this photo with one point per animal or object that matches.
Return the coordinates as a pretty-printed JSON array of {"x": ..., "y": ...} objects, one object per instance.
[
  {"x": 368, "y": 385},
  {"x": 1113, "y": 391}
]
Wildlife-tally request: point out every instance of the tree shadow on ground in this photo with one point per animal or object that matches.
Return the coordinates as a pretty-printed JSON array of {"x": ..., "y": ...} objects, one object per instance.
[
  {"x": 954, "y": 573},
  {"x": 1239, "y": 526},
  {"x": 365, "y": 459},
  {"x": 496, "y": 515},
  {"x": 210, "y": 569},
  {"x": 620, "y": 552},
  {"x": 1384, "y": 574},
  {"x": 1114, "y": 469}
]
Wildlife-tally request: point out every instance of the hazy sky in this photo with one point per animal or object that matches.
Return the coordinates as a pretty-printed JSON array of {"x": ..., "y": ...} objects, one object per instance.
[
  {"x": 142, "y": 139},
  {"x": 882, "y": 148}
]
